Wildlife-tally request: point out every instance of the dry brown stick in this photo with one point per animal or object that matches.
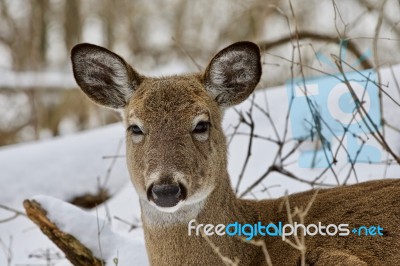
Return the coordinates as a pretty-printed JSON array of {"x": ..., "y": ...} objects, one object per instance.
[{"x": 74, "y": 250}]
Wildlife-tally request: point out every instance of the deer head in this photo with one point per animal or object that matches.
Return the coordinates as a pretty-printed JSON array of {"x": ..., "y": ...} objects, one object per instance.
[{"x": 176, "y": 149}]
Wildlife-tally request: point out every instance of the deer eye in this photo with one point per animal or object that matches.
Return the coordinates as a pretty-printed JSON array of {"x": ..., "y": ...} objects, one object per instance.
[
  {"x": 135, "y": 129},
  {"x": 201, "y": 127}
]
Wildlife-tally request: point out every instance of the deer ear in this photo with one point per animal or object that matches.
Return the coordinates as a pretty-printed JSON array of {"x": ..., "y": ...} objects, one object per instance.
[
  {"x": 103, "y": 75},
  {"x": 233, "y": 73}
]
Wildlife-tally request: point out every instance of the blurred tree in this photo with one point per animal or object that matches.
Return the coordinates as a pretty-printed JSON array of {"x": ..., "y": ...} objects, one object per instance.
[
  {"x": 26, "y": 37},
  {"x": 37, "y": 36},
  {"x": 72, "y": 23},
  {"x": 107, "y": 14}
]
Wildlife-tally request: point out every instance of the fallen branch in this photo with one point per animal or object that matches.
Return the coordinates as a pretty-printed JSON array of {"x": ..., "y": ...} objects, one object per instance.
[{"x": 74, "y": 250}]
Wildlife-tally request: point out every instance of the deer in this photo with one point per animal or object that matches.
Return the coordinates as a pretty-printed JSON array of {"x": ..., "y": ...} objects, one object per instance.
[{"x": 176, "y": 154}]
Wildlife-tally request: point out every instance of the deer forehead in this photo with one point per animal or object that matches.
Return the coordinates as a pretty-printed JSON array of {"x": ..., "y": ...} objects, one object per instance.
[{"x": 177, "y": 99}]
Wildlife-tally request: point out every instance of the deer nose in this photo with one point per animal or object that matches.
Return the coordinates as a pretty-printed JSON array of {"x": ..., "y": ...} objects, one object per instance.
[{"x": 166, "y": 194}]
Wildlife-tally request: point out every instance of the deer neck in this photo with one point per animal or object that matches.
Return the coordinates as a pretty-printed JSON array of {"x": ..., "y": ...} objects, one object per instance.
[
  {"x": 170, "y": 244},
  {"x": 224, "y": 207}
]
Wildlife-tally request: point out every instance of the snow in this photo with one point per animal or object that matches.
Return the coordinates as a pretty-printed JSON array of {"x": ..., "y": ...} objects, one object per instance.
[
  {"x": 263, "y": 151},
  {"x": 109, "y": 244},
  {"x": 31, "y": 79},
  {"x": 69, "y": 166},
  {"x": 63, "y": 167}
]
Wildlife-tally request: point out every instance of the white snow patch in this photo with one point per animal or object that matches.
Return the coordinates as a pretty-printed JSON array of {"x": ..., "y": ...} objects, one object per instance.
[
  {"x": 107, "y": 244},
  {"x": 31, "y": 79},
  {"x": 63, "y": 167}
]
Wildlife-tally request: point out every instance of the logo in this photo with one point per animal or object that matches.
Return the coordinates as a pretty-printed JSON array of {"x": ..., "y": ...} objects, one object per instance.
[
  {"x": 331, "y": 107},
  {"x": 249, "y": 231}
]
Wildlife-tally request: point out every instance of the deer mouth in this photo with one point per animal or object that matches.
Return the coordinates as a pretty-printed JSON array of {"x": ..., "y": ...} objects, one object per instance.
[{"x": 166, "y": 195}]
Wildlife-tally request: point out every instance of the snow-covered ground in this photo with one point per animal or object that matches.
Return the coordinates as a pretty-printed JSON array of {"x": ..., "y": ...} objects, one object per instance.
[
  {"x": 30, "y": 79},
  {"x": 69, "y": 166}
]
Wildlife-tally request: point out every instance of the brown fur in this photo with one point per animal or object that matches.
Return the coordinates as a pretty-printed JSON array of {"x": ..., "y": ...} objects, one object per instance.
[{"x": 165, "y": 109}]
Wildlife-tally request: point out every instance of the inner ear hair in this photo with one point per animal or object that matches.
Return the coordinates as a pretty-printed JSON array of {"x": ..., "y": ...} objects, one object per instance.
[
  {"x": 103, "y": 76},
  {"x": 233, "y": 73}
]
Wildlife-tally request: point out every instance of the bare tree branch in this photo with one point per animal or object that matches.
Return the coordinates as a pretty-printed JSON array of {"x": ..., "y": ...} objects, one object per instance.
[{"x": 265, "y": 46}]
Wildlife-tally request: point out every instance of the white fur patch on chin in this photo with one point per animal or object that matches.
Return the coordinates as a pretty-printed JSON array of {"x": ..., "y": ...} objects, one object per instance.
[
  {"x": 183, "y": 212},
  {"x": 191, "y": 201},
  {"x": 168, "y": 209}
]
